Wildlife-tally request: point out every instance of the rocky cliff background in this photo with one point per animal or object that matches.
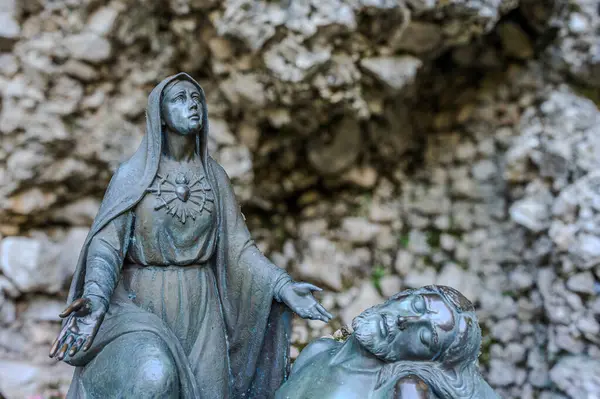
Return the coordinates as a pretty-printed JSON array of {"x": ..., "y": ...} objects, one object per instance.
[{"x": 375, "y": 145}]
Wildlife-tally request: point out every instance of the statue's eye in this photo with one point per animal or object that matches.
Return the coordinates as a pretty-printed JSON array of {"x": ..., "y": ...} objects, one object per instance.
[
  {"x": 418, "y": 304},
  {"x": 425, "y": 336}
]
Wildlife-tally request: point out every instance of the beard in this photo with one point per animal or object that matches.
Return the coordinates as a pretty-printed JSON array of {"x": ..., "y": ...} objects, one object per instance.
[{"x": 366, "y": 331}]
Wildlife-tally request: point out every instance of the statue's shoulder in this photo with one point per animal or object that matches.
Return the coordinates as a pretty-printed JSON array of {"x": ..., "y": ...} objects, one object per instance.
[
  {"x": 118, "y": 177},
  {"x": 218, "y": 171},
  {"x": 313, "y": 349},
  {"x": 214, "y": 165}
]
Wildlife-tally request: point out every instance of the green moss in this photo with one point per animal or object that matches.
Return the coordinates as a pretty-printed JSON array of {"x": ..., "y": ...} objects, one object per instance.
[
  {"x": 433, "y": 238},
  {"x": 377, "y": 275},
  {"x": 404, "y": 240},
  {"x": 486, "y": 343},
  {"x": 589, "y": 92},
  {"x": 462, "y": 264},
  {"x": 364, "y": 203},
  {"x": 510, "y": 293}
]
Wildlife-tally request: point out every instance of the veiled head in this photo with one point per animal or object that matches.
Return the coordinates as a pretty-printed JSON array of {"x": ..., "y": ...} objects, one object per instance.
[
  {"x": 433, "y": 323},
  {"x": 181, "y": 107}
]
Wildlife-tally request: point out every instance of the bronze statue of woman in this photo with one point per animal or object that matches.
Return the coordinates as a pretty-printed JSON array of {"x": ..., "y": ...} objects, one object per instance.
[{"x": 171, "y": 298}]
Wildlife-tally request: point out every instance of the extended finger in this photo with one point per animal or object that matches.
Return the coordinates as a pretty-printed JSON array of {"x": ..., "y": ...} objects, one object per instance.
[
  {"x": 324, "y": 311},
  {"x": 73, "y": 307},
  {"x": 308, "y": 287},
  {"x": 55, "y": 345},
  {"x": 69, "y": 343},
  {"x": 62, "y": 351},
  {"x": 76, "y": 346},
  {"x": 58, "y": 340},
  {"x": 90, "y": 339},
  {"x": 88, "y": 343},
  {"x": 318, "y": 316}
]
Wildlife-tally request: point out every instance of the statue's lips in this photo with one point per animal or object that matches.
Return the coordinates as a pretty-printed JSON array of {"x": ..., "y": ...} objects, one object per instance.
[{"x": 194, "y": 117}]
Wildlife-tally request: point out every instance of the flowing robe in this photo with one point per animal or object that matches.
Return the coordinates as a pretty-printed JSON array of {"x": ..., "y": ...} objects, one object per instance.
[{"x": 211, "y": 301}]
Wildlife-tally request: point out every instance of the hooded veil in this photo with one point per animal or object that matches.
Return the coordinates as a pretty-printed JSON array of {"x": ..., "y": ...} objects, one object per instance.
[{"x": 257, "y": 327}]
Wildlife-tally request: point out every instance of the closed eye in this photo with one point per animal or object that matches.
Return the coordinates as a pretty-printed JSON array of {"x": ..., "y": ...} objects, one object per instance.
[
  {"x": 425, "y": 337},
  {"x": 418, "y": 305}
]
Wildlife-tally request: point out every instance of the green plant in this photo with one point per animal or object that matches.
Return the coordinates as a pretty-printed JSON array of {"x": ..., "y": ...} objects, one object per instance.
[
  {"x": 404, "y": 240},
  {"x": 377, "y": 275}
]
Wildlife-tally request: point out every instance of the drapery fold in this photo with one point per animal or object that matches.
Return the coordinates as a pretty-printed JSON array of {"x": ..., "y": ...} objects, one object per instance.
[{"x": 257, "y": 327}]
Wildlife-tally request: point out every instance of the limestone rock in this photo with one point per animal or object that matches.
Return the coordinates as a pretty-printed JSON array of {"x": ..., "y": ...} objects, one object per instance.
[
  {"x": 38, "y": 265},
  {"x": 79, "y": 213},
  {"x": 323, "y": 263},
  {"x": 103, "y": 20},
  {"x": 390, "y": 285},
  {"x": 22, "y": 379},
  {"x": 253, "y": 22},
  {"x": 89, "y": 47},
  {"x": 515, "y": 41},
  {"x": 502, "y": 373},
  {"x": 394, "y": 72},
  {"x": 367, "y": 297},
  {"x": 467, "y": 283},
  {"x": 419, "y": 37},
  {"x": 237, "y": 161},
  {"x": 8, "y": 311},
  {"x": 575, "y": 49},
  {"x": 41, "y": 308},
  {"x": 582, "y": 283},
  {"x": 533, "y": 212},
  {"x": 290, "y": 61},
  {"x": 418, "y": 278},
  {"x": 577, "y": 376},
  {"x": 9, "y": 31},
  {"x": 358, "y": 230},
  {"x": 33, "y": 200},
  {"x": 340, "y": 153}
]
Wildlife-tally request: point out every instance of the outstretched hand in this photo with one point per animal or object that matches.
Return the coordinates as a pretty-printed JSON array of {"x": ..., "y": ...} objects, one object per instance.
[
  {"x": 299, "y": 298},
  {"x": 84, "y": 319}
]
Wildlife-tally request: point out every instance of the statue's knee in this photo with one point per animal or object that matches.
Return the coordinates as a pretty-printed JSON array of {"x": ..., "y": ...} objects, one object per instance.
[{"x": 157, "y": 373}]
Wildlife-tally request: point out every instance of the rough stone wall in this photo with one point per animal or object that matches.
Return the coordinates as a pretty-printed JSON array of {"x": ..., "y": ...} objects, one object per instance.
[{"x": 374, "y": 144}]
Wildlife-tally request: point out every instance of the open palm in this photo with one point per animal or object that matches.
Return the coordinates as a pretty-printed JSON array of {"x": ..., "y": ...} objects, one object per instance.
[
  {"x": 299, "y": 298},
  {"x": 83, "y": 320}
]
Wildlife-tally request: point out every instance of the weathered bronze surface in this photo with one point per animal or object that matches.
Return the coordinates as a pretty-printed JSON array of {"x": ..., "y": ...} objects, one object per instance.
[
  {"x": 420, "y": 343},
  {"x": 171, "y": 298}
]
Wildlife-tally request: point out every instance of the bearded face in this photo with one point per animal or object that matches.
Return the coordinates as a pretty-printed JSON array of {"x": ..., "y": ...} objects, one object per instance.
[{"x": 412, "y": 327}]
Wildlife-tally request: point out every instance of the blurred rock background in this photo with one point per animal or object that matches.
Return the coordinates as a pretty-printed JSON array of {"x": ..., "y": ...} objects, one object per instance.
[{"x": 375, "y": 145}]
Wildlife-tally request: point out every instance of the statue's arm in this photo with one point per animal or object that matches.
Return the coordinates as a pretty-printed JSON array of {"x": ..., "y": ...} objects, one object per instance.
[
  {"x": 105, "y": 257},
  {"x": 83, "y": 316},
  {"x": 243, "y": 252},
  {"x": 241, "y": 246},
  {"x": 411, "y": 387}
]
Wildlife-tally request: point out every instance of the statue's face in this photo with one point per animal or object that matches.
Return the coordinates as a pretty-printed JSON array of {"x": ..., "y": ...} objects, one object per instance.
[
  {"x": 181, "y": 108},
  {"x": 412, "y": 327}
]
